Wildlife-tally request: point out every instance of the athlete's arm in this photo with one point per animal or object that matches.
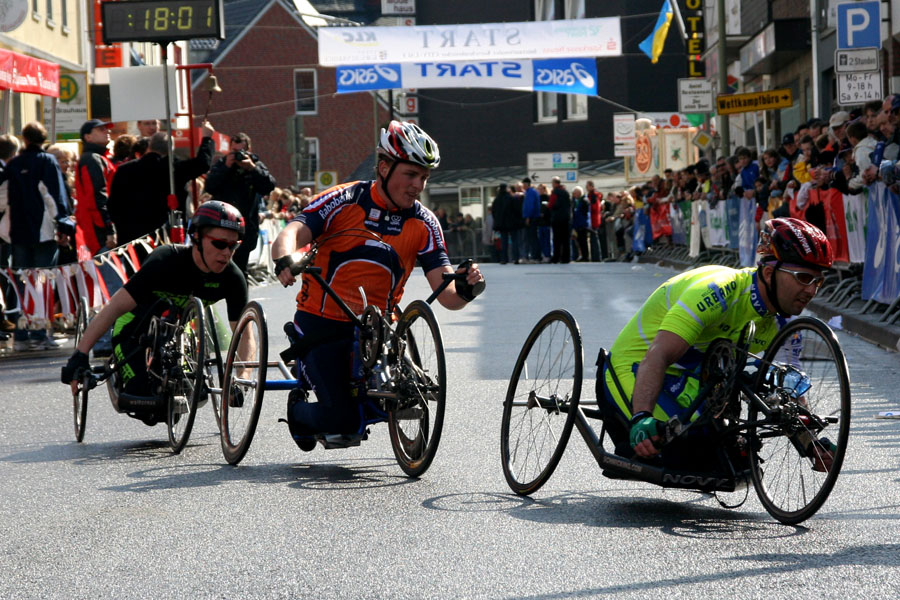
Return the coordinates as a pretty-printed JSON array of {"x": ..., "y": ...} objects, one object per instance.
[
  {"x": 295, "y": 235},
  {"x": 666, "y": 349},
  {"x": 118, "y": 305},
  {"x": 449, "y": 298}
]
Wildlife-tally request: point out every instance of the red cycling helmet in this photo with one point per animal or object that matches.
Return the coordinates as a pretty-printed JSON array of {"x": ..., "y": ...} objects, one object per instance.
[
  {"x": 214, "y": 213},
  {"x": 795, "y": 242}
]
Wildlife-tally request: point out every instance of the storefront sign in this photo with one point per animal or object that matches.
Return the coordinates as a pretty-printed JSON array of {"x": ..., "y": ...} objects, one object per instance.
[
  {"x": 696, "y": 44},
  {"x": 476, "y": 42}
]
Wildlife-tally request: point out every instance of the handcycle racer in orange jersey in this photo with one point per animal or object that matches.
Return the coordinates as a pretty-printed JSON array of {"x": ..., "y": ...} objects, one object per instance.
[{"x": 351, "y": 217}]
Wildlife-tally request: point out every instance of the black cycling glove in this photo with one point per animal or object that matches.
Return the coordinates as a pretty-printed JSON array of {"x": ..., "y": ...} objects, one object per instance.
[
  {"x": 77, "y": 363},
  {"x": 283, "y": 263},
  {"x": 464, "y": 289}
]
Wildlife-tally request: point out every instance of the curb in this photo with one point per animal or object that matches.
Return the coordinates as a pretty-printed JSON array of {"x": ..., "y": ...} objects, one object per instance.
[{"x": 867, "y": 327}]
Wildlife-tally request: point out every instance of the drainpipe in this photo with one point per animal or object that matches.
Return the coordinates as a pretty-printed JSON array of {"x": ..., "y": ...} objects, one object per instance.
[
  {"x": 814, "y": 22},
  {"x": 724, "y": 132}
]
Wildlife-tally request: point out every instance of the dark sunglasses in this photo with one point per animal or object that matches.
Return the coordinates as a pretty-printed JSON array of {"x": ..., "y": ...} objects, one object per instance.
[
  {"x": 805, "y": 278},
  {"x": 221, "y": 244}
]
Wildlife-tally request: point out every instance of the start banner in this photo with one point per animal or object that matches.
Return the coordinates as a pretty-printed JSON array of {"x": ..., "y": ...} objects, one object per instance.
[
  {"x": 561, "y": 75},
  {"x": 484, "y": 41},
  {"x": 21, "y": 73}
]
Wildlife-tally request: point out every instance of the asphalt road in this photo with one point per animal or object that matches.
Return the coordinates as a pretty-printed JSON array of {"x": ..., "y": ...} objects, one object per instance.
[{"x": 119, "y": 516}]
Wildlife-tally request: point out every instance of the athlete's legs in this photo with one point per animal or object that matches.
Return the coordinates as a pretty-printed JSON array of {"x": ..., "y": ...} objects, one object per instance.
[{"x": 326, "y": 369}]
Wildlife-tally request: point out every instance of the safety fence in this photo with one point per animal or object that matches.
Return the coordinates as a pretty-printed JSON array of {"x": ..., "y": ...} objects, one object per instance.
[{"x": 864, "y": 231}]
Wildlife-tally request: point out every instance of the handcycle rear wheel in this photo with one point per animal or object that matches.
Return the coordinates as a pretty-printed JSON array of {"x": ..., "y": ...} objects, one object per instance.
[
  {"x": 541, "y": 402},
  {"x": 189, "y": 347},
  {"x": 783, "y": 459},
  {"x": 415, "y": 427},
  {"x": 213, "y": 367},
  {"x": 80, "y": 397},
  {"x": 243, "y": 383}
]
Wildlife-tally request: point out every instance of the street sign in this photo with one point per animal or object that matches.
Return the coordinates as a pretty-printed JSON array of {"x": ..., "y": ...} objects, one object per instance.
[
  {"x": 325, "y": 179},
  {"x": 859, "y": 24},
  {"x": 856, "y": 88},
  {"x": 695, "y": 96},
  {"x": 552, "y": 161},
  {"x": 623, "y": 134},
  {"x": 545, "y": 176},
  {"x": 728, "y": 104},
  {"x": 857, "y": 60},
  {"x": 702, "y": 140}
]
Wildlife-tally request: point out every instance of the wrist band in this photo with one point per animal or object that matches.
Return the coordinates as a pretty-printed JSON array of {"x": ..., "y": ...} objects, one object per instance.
[{"x": 640, "y": 415}]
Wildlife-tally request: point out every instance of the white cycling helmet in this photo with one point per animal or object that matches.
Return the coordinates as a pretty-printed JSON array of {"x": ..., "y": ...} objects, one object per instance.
[{"x": 407, "y": 142}]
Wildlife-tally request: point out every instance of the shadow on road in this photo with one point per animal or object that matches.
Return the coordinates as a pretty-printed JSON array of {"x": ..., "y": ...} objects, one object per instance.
[{"x": 774, "y": 564}]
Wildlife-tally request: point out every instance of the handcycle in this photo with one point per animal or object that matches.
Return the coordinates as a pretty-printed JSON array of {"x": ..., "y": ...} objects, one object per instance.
[
  {"x": 770, "y": 417},
  {"x": 184, "y": 368},
  {"x": 401, "y": 373}
]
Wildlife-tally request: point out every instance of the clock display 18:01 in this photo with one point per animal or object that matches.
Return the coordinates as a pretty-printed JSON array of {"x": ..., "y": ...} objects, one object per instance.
[{"x": 162, "y": 20}]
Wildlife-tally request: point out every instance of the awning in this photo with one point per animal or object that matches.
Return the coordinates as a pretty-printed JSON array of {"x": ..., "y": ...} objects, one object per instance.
[{"x": 21, "y": 73}]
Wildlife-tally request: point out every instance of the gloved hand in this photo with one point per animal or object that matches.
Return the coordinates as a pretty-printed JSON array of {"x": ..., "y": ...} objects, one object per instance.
[
  {"x": 76, "y": 364},
  {"x": 643, "y": 427},
  {"x": 464, "y": 289}
]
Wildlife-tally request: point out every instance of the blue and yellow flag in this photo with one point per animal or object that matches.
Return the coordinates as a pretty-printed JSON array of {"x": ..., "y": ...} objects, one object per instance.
[{"x": 653, "y": 45}]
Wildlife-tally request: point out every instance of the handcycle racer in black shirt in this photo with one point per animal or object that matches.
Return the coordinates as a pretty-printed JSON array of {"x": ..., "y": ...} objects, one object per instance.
[{"x": 170, "y": 276}]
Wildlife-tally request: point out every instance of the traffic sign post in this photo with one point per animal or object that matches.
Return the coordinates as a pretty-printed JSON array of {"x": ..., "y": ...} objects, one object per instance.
[
  {"x": 542, "y": 176},
  {"x": 856, "y": 88},
  {"x": 728, "y": 104},
  {"x": 857, "y": 60},
  {"x": 859, "y": 24},
  {"x": 695, "y": 96},
  {"x": 544, "y": 166}
]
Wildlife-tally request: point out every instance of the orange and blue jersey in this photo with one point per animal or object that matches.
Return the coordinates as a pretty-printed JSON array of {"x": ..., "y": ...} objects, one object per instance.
[{"x": 355, "y": 264}]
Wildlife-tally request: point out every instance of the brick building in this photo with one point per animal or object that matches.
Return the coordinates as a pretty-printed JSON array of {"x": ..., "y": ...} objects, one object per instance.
[{"x": 274, "y": 90}]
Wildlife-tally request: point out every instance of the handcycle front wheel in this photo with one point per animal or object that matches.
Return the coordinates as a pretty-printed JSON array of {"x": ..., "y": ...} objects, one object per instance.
[
  {"x": 189, "y": 350},
  {"x": 243, "y": 383},
  {"x": 791, "y": 472},
  {"x": 541, "y": 402},
  {"x": 415, "y": 427},
  {"x": 80, "y": 396}
]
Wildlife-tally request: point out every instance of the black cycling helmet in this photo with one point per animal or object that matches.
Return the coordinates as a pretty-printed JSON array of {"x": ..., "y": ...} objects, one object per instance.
[{"x": 215, "y": 213}]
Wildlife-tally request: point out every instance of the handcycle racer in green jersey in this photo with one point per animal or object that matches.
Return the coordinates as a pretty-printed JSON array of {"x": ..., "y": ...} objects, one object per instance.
[{"x": 658, "y": 355}]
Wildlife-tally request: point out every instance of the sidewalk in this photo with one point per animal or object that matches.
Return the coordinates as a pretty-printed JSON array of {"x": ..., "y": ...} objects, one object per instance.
[{"x": 866, "y": 326}]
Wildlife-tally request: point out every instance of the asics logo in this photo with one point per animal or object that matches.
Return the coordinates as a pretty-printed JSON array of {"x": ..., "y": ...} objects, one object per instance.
[
  {"x": 565, "y": 77},
  {"x": 368, "y": 75}
]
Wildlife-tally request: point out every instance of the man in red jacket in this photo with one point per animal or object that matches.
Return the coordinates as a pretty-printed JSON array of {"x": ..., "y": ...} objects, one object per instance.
[{"x": 92, "y": 181}]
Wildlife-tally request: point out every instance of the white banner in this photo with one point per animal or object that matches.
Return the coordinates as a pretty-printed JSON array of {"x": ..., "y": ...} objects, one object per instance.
[{"x": 484, "y": 41}]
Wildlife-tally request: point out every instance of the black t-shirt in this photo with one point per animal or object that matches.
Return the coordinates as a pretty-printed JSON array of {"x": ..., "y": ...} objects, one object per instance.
[{"x": 170, "y": 273}]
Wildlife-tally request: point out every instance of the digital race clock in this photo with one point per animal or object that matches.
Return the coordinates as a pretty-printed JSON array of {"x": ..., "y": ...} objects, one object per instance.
[{"x": 162, "y": 20}]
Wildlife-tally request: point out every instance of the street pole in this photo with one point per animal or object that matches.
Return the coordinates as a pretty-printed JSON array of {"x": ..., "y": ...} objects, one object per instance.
[
  {"x": 165, "y": 61},
  {"x": 724, "y": 133}
]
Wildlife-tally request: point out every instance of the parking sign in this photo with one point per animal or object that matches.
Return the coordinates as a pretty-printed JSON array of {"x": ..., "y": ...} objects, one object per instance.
[{"x": 859, "y": 24}]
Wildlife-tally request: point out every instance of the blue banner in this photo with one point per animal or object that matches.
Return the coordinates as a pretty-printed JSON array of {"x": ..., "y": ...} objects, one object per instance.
[
  {"x": 733, "y": 210},
  {"x": 561, "y": 75},
  {"x": 881, "y": 273},
  {"x": 566, "y": 76}
]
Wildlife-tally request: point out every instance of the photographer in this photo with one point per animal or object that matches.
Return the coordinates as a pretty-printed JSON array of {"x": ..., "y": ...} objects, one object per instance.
[{"x": 242, "y": 180}]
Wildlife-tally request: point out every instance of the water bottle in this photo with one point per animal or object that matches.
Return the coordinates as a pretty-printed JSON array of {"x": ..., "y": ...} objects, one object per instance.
[
  {"x": 797, "y": 382},
  {"x": 176, "y": 229}
]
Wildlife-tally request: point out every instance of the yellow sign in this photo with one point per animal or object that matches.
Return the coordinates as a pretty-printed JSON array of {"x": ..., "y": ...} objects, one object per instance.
[
  {"x": 325, "y": 179},
  {"x": 728, "y": 104},
  {"x": 68, "y": 88}
]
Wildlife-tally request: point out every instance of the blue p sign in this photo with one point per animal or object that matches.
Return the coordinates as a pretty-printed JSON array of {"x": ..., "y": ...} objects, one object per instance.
[{"x": 859, "y": 24}]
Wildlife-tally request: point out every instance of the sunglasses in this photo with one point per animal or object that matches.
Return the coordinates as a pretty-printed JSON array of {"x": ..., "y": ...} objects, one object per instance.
[
  {"x": 805, "y": 278},
  {"x": 221, "y": 244}
]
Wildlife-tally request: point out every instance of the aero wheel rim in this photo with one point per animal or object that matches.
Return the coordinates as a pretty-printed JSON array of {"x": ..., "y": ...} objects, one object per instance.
[
  {"x": 545, "y": 386},
  {"x": 791, "y": 471}
]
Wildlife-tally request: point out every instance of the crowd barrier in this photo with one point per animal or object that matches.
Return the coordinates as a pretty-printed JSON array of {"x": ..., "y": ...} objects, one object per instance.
[{"x": 864, "y": 231}]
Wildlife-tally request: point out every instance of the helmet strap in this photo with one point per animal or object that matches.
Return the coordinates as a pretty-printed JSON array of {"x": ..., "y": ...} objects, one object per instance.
[
  {"x": 198, "y": 242},
  {"x": 772, "y": 291},
  {"x": 384, "y": 183}
]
